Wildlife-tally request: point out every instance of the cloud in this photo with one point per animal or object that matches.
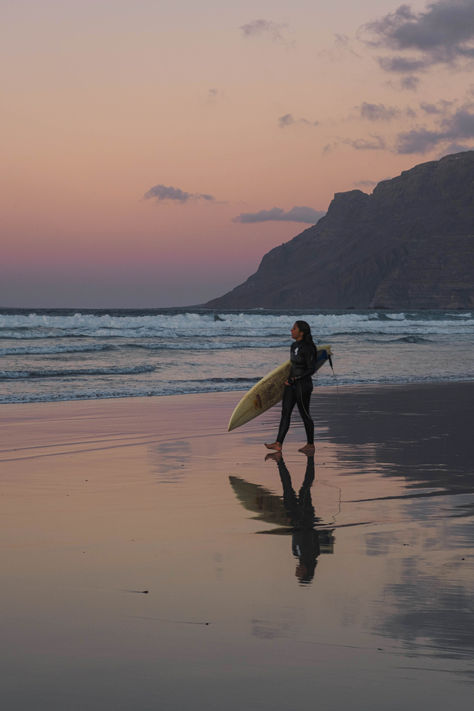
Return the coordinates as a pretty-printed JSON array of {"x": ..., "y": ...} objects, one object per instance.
[
  {"x": 297, "y": 214},
  {"x": 375, "y": 143},
  {"x": 419, "y": 140},
  {"x": 289, "y": 120},
  {"x": 460, "y": 124},
  {"x": 438, "y": 109},
  {"x": 378, "y": 112},
  {"x": 441, "y": 34},
  {"x": 454, "y": 148},
  {"x": 410, "y": 83},
  {"x": 401, "y": 65},
  {"x": 366, "y": 183},
  {"x": 343, "y": 43},
  {"x": 159, "y": 193},
  {"x": 260, "y": 27},
  {"x": 329, "y": 147},
  {"x": 286, "y": 120},
  {"x": 341, "y": 47},
  {"x": 370, "y": 183},
  {"x": 451, "y": 129}
]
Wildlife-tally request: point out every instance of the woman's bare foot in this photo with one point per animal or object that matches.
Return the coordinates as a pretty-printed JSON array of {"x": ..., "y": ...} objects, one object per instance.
[
  {"x": 273, "y": 445},
  {"x": 307, "y": 449}
]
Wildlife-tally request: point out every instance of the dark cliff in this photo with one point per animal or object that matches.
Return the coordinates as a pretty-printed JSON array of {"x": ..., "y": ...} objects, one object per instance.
[{"x": 410, "y": 244}]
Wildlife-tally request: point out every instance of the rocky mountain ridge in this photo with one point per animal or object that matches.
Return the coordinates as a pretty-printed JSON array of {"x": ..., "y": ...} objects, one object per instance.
[{"x": 410, "y": 244}]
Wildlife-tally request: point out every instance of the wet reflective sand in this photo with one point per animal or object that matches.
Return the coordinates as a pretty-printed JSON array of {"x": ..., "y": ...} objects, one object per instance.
[{"x": 150, "y": 560}]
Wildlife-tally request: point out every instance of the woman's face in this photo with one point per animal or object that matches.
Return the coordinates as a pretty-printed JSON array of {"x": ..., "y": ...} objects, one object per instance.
[{"x": 296, "y": 334}]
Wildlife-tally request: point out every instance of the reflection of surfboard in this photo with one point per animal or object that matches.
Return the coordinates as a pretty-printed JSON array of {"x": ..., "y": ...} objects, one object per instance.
[
  {"x": 268, "y": 391},
  {"x": 268, "y": 506}
]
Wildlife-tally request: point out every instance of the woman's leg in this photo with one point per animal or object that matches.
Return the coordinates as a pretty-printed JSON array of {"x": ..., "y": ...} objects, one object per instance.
[
  {"x": 303, "y": 397},
  {"x": 289, "y": 400}
]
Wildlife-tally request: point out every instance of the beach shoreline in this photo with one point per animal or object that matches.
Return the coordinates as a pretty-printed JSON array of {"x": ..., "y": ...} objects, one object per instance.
[
  {"x": 208, "y": 413},
  {"x": 238, "y": 393}
]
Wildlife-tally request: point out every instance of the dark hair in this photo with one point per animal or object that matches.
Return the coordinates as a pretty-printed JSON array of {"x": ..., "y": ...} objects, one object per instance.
[{"x": 305, "y": 328}]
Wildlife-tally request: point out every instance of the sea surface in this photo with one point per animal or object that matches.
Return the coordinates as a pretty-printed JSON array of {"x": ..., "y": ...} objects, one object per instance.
[{"x": 67, "y": 354}]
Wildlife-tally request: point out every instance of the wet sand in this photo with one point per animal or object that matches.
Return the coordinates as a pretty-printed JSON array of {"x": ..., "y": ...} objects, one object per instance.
[{"x": 151, "y": 560}]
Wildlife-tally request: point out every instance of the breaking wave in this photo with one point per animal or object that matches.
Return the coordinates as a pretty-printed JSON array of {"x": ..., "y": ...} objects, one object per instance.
[{"x": 70, "y": 372}]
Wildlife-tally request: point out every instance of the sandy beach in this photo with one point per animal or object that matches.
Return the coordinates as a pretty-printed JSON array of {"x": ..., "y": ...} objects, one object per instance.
[{"x": 151, "y": 560}]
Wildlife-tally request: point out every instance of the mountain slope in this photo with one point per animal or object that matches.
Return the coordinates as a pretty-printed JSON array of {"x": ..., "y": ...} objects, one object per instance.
[{"x": 410, "y": 244}]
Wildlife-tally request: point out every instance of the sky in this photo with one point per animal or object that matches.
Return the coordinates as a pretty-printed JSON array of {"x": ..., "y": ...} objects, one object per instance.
[{"x": 154, "y": 151}]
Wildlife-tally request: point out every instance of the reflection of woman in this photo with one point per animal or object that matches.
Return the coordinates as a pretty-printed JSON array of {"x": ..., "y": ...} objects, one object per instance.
[
  {"x": 300, "y": 511},
  {"x": 299, "y": 386}
]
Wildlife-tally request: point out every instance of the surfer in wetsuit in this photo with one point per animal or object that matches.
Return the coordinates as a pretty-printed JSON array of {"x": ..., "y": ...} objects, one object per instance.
[{"x": 299, "y": 386}]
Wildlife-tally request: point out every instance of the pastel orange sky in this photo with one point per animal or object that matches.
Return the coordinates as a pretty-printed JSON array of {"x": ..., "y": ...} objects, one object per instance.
[{"x": 258, "y": 106}]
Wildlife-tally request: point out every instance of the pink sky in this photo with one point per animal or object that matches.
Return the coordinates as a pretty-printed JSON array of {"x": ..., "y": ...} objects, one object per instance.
[{"x": 260, "y": 105}]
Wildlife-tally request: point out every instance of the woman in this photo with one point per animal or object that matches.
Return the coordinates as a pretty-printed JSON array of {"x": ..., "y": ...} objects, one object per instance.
[{"x": 299, "y": 386}]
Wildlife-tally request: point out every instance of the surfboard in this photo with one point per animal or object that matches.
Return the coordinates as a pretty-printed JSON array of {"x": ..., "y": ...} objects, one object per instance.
[{"x": 268, "y": 391}]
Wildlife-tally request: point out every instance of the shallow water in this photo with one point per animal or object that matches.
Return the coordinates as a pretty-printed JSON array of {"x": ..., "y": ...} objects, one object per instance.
[{"x": 266, "y": 589}]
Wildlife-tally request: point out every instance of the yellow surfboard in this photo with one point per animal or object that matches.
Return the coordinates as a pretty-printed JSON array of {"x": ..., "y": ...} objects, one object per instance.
[{"x": 268, "y": 391}]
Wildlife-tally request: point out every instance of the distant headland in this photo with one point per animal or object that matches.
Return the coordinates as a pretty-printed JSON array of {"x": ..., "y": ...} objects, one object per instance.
[{"x": 410, "y": 245}]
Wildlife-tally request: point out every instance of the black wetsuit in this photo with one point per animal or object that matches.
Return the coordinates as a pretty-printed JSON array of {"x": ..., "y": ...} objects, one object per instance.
[{"x": 298, "y": 392}]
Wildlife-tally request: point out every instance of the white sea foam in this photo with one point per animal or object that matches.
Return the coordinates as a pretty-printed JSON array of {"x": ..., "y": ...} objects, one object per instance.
[{"x": 35, "y": 325}]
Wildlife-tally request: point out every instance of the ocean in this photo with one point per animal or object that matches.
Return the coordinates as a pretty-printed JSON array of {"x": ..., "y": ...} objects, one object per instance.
[{"x": 67, "y": 354}]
